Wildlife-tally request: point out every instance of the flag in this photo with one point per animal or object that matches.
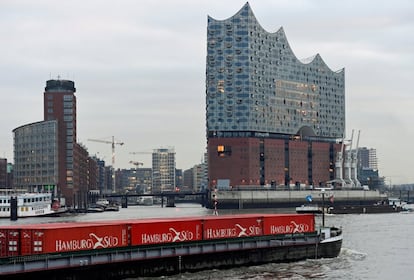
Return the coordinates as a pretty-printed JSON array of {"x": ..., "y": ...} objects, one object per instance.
[{"x": 309, "y": 198}]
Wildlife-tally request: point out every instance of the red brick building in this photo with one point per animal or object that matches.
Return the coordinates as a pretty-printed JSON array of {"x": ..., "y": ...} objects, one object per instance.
[
  {"x": 264, "y": 161},
  {"x": 3, "y": 173},
  {"x": 60, "y": 104}
]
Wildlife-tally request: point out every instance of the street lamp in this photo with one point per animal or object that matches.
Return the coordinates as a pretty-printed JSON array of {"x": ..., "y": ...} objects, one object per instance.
[{"x": 323, "y": 203}]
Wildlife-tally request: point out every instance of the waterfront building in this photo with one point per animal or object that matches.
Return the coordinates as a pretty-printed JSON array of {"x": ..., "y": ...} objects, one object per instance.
[
  {"x": 128, "y": 179},
  {"x": 195, "y": 179},
  {"x": 109, "y": 181},
  {"x": 199, "y": 177},
  {"x": 103, "y": 185},
  {"x": 85, "y": 171},
  {"x": 188, "y": 178},
  {"x": 135, "y": 180},
  {"x": 271, "y": 118},
  {"x": 36, "y": 156},
  {"x": 163, "y": 170},
  {"x": 144, "y": 180},
  {"x": 92, "y": 174},
  {"x": 179, "y": 178},
  {"x": 46, "y": 154},
  {"x": 10, "y": 175},
  {"x": 60, "y": 104},
  {"x": 368, "y": 173},
  {"x": 3, "y": 173},
  {"x": 367, "y": 158},
  {"x": 371, "y": 178}
]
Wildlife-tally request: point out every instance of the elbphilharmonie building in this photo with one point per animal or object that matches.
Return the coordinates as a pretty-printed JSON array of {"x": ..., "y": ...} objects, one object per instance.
[{"x": 271, "y": 118}]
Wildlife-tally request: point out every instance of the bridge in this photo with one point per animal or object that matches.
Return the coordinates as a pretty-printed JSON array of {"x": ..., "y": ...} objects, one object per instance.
[{"x": 169, "y": 198}]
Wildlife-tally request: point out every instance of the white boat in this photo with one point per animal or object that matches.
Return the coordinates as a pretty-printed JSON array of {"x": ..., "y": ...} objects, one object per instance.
[
  {"x": 103, "y": 202},
  {"x": 28, "y": 205},
  {"x": 112, "y": 207},
  {"x": 95, "y": 208},
  {"x": 408, "y": 207},
  {"x": 312, "y": 208},
  {"x": 145, "y": 200}
]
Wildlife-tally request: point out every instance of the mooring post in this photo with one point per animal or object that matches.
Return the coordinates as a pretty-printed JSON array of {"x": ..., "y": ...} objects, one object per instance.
[
  {"x": 323, "y": 208},
  {"x": 124, "y": 201},
  {"x": 215, "y": 202},
  {"x": 13, "y": 208},
  {"x": 179, "y": 263}
]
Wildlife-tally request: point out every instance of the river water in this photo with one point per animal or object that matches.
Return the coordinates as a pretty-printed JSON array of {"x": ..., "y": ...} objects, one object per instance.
[{"x": 375, "y": 246}]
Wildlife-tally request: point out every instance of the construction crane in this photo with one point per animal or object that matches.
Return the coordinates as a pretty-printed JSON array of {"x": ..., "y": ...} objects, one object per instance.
[
  {"x": 113, "y": 143},
  {"x": 136, "y": 163},
  {"x": 137, "y": 153}
]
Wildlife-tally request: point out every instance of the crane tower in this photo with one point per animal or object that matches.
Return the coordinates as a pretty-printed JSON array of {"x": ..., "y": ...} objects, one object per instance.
[{"x": 113, "y": 143}]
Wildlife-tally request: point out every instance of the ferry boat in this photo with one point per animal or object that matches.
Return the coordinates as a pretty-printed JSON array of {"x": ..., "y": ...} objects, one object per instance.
[{"x": 28, "y": 205}]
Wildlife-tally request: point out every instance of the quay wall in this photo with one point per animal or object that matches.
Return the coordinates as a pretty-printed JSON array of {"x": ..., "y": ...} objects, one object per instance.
[{"x": 292, "y": 198}]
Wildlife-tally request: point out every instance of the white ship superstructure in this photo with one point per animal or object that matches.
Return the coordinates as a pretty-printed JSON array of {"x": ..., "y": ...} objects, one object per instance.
[{"x": 28, "y": 204}]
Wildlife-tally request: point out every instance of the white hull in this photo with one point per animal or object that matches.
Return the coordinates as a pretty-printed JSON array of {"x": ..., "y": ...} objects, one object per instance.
[
  {"x": 309, "y": 209},
  {"x": 145, "y": 200},
  {"x": 28, "y": 205}
]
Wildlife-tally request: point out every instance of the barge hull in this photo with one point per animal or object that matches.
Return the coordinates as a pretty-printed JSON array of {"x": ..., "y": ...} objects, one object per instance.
[
  {"x": 162, "y": 260},
  {"x": 364, "y": 209}
]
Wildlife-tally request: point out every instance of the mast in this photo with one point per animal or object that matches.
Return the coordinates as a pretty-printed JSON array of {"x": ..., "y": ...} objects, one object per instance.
[
  {"x": 339, "y": 164},
  {"x": 347, "y": 164},
  {"x": 354, "y": 163}
]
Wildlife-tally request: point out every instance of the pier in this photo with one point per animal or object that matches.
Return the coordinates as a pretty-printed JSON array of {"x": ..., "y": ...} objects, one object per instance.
[{"x": 270, "y": 198}]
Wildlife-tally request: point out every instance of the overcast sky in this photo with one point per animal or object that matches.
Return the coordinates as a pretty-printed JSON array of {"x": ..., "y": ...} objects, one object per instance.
[{"x": 139, "y": 69}]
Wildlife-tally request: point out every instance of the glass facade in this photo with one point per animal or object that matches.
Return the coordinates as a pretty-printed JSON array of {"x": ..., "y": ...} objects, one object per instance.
[
  {"x": 255, "y": 83},
  {"x": 36, "y": 155},
  {"x": 163, "y": 170}
]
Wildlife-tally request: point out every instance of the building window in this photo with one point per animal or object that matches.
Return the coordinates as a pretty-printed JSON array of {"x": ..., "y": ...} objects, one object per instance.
[
  {"x": 220, "y": 86},
  {"x": 223, "y": 151},
  {"x": 68, "y": 118}
]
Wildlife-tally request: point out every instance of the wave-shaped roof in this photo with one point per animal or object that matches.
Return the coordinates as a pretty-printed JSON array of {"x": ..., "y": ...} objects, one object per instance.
[
  {"x": 267, "y": 88},
  {"x": 312, "y": 60}
]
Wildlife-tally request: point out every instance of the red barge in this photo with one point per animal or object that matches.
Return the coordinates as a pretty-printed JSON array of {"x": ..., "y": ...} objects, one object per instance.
[{"x": 161, "y": 246}]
